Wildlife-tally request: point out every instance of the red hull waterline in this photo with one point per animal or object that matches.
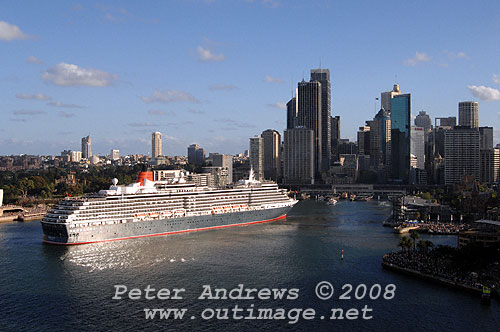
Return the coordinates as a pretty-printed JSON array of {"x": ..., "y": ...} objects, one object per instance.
[{"x": 283, "y": 216}]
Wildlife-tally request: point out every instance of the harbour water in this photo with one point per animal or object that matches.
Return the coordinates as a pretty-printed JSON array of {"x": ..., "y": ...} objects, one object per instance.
[{"x": 51, "y": 288}]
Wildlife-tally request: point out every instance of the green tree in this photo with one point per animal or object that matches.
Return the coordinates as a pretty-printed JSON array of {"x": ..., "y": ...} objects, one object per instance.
[
  {"x": 25, "y": 185},
  {"x": 414, "y": 237}
]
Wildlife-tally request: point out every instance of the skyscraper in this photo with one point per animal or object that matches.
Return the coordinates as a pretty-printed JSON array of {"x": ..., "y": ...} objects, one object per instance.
[
  {"x": 364, "y": 140},
  {"x": 462, "y": 154},
  {"x": 468, "y": 114},
  {"x": 298, "y": 156},
  {"x": 257, "y": 156},
  {"x": 385, "y": 97},
  {"x": 400, "y": 138},
  {"x": 291, "y": 113},
  {"x": 423, "y": 120},
  {"x": 309, "y": 117},
  {"x": 86, "y": 147},
  {"x": 380, "y": 139},
  {"x": 485, "y": 138},
  {"x": 490, "y": 165},
  {"x": 323, "y": 76},
  {"x": 271, "y": 140},
  {"x": 450, "y": 122},
  {"x": 417, "y": 147},
  {"x": 196, "y": 155},
  {"x": 335, "y": 136},
  {"x": 156, "y": 144},
  {"x": 335, "y": 128}
]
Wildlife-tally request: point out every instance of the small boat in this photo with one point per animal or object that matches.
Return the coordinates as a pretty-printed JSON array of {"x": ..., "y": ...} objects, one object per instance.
[{"x": 331, "y": 201}]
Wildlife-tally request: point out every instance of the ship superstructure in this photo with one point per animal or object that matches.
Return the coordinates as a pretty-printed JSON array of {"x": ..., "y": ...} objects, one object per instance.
[{"x": 148, "y": 208}]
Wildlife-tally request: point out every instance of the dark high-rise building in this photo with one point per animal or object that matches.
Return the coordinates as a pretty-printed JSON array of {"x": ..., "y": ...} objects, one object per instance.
[
  {"x": 490, "y": 165},
  {"x": 271, "y": 145},
  {"x": 291, "y": 113},
  {"x": 346, "y": 147},
  {"x": 364, "y": 140},
  {"x": 423, "y": 120},
  {"x": 298, "y": 156},
  {"x": 196, "y": 155},
  {"x": 335, "y": 136},
  {"x": 323, "y": 76},
  {"x": 468, "y": 114},
  {"x": 309, "y": 116},
  {"x": 86, "y": 147},
  {"x": 450, "y": 121},
  {"x": 335, "y": 128},
  {"x": 400, "y": 138},
  {"x": 486, "y": 138},
  {"x": 380, "y": 139}
]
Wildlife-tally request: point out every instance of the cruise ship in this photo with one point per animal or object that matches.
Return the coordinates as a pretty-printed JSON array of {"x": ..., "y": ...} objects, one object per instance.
[{"x": 151, "y": 208}]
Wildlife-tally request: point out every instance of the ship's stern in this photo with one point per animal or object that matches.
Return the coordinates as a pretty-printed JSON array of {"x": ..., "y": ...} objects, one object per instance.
[{"x": 55, "y": 233}]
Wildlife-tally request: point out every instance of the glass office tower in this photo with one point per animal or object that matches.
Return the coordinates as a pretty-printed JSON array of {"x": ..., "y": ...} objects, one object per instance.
[{"x": 400, "y": 138}]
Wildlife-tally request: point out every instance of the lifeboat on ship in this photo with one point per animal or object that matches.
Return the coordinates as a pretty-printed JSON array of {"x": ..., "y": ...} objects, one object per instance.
[
  {"x": 179, "y": 213},
  {"x": 167, "y": 214}
]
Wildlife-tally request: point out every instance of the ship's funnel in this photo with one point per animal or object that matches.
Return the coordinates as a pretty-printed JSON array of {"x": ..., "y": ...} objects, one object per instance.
[{"x": 144, "y": 175}]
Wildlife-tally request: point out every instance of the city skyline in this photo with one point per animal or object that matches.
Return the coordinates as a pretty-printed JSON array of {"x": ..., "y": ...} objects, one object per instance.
[{"x": 133, "y": 71}]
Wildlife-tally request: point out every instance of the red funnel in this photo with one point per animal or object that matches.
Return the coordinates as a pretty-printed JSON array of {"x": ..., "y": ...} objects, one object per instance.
[{"x": 144, "y": 175}]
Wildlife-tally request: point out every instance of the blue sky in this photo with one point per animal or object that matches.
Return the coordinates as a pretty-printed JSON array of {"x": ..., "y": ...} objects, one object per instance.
[{"x": 217, "y": 72}]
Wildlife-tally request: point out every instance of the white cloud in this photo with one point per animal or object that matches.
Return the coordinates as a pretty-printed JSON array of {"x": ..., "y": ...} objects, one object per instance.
[
  {"x": 64, "y": 114},
  {"x": 10, "y": 32},
  {"x": 215, "y": 87},
  {"x": 161, "y": 113},
  {"x": 156, "y": 112},
  {"x": 167, "y": 96},
  {"x": 271, "y": 3},
  {"x": 268, "y": 3},
  {"x": 36, "y": 96},
  {"x": 28, "y": 112},
  {"x": 60, "y": 104},
  {"x": 204, "y": 54},
  {"x": 484, "y": 93},
  {"x": 191, "y": 110},
  {"x": 457, "y": 55},
  {"x": 33, "y": 59},
  {"x": 65, "y": 74},
  {"x": 141, "y": 124},
  {"x": 270, "y": 79},
  {"x": 278, "y": 104},
  {"x": 496, "y": 78},
  {"x": 231, "y": 124},
  {"x": 78, "y": 7},
  {"x": 419, "y": 57}
]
